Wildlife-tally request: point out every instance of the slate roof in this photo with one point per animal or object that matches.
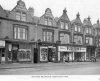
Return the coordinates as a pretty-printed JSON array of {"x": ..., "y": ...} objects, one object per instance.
[
  {"x": 97, "y": 25},
  {"x": 64, "y": 16},
  {"x": 87, "y": 22},
  {"x": 77, "y": 20}
]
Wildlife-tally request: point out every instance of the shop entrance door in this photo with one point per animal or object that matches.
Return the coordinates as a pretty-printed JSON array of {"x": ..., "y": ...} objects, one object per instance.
[
  {"x": 15, "y": 54},
  {"x": 35, "y": 55},
  {"x": 78, "y": 56},
  {"x": 2, "y": 55}
]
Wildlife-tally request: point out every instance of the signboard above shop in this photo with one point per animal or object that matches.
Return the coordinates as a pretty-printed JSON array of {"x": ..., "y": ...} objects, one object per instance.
[
  {"x": 2, "y": 44},
  {"x": 71, "y": 49}
]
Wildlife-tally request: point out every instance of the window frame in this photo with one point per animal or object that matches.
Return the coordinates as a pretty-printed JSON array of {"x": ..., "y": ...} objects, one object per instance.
[
  {"x": 63, "y": 37},
  {"x": 44, "y": 37},
  {"x": 21, "y": 16},
  {"x": 16, "y": 33}
]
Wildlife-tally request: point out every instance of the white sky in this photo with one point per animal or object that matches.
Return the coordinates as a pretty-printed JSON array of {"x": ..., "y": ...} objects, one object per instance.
[{"x": 84, "y": 7}]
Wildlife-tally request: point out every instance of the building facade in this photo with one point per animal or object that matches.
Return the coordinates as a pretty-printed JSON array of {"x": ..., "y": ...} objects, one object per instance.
[
  {"x": 79, "y": 49},
  {"x": 64, "y": 36},
  {"x": 89, "y": 38},
  {"x": 97, "y": 38},
  {"x": 17, "y": 32},
  {"x": 28, "y": 38}
]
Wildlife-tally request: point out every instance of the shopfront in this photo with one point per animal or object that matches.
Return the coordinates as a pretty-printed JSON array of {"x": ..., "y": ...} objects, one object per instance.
[
  {"x": 71, "y": 53},
  {"x": 47, "y": 52},
  {"x": 91, "y": 50},
  {"x": 79, "y": 54},
  {"x": 18, "y": 52},
  {"x": 65, "y": 53},
  {"x": 2, "y": 51}
]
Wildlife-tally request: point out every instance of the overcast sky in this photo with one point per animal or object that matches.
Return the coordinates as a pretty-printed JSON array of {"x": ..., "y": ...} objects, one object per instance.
[{"x": 84, "y": 7}]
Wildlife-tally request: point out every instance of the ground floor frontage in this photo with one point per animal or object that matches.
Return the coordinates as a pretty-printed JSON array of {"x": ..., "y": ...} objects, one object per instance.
[
  {"x": 16, "y": 51},
  {"x": 91, "y": 52},
  {"x": 71, "y": 53},
  {"x": 13, "y": 51}
]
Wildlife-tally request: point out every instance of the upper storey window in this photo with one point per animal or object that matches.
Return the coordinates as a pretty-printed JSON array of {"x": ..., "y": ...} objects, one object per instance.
[
  {"x": 77, "y": 28},
  {"x": 21, "y": 16},
  {"x": 64, "y": 25},
  {"x": 88, "y": 31},
  {"x": 48, "y": 21}
]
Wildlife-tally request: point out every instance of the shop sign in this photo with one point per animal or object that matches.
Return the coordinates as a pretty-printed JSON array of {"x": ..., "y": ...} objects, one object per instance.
[
  {"x": 65, "y": 48},
  {"x": 79, "y": 49},
  {"x": 71, "y": 49},
  {"x": 10, "y": 47},
  {"x": 2, "y": 43},
  {"x": 43, "y": 53}
]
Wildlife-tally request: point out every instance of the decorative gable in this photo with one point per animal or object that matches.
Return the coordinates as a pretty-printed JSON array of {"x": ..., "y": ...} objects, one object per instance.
[
  {"x": 64, "y": 16},
  {"x": 77, "y": 20},
  {"x": 20, "y": 12},
  {"x": 47, "y": 18},
  {"x": 2, "y": 12}
]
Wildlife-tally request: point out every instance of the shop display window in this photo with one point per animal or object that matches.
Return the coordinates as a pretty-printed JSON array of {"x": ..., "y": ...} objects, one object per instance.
[{"x": 24, "y": 54}]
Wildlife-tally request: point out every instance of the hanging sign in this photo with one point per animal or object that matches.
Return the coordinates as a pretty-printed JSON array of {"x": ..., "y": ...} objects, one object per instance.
[{"x": 2, "y": 43}]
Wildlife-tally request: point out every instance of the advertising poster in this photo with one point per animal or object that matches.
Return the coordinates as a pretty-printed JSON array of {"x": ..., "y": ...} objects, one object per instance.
[{"x": 43, "y": 53}]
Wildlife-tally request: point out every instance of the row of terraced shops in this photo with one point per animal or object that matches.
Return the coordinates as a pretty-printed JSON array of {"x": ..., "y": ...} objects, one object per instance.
[{"x": 31, "y": 52}]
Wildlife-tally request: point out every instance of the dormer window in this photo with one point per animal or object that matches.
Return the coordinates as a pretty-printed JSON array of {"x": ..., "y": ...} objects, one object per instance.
[
  {"x": 48, "y": 21},
  {"x": 88, "y": 31},
  {"x": 23, "y": 17},
  {"x": 66, "y": 26},
  {"x": 62, "y": 25},
  {"x": 77, "y": 28},
  {"x": 20, "y": 15}
]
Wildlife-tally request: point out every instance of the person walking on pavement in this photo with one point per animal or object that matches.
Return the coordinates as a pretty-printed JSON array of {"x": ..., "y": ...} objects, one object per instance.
[{"x": 68, "y": 59}]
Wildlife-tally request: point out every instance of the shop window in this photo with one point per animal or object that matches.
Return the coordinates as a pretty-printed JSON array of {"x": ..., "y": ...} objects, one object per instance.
[
  {"x": 20, "y": 32},
  {"x": 43, "y": 54},
  {"x": 64, "y": 38},
  {"x": 48, "y": 36},
  {"x": 24, "y": 54}
]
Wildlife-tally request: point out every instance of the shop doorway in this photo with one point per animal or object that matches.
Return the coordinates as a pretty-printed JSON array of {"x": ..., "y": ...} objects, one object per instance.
[
  {"x": 78, "y": 56},
  {"x": 2, "y": 53},
  {"x": 51, "y": 54},
  {"x": 35, "y": 55},
  {"x": 15, "y": 53}
]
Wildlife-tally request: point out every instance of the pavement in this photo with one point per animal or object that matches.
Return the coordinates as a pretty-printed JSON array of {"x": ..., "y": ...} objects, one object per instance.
[
  {"x": 20, "y": 65},
  {"x": 71, "y": 68}
]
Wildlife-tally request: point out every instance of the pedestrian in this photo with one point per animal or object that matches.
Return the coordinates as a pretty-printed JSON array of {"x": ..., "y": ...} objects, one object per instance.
[{"x": 68, "y": 59}]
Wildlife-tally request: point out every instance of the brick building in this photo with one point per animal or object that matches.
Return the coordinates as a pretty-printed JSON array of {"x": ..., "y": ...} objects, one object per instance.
[
  {"x": 17, "y": 31},
  {"x": 79, "y": 48},
  {"x": 47, "y": 37},
  {"x": 27, "y": 38},
  {"x": 89, "y": 38},
  {"x": 97, "y": 38}
]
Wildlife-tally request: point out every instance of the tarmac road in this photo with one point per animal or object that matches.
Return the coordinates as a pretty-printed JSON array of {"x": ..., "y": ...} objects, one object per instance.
[{"x": 76, "y": 68}]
